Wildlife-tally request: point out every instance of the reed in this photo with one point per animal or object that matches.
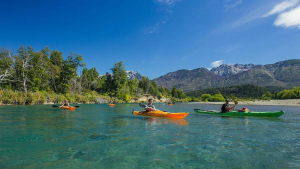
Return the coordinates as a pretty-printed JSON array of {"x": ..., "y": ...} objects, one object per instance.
[{"x": 10, "y": 97}]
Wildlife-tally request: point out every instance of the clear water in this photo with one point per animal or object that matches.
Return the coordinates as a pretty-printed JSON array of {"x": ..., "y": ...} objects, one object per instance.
[{"x": 98, "y": 136}]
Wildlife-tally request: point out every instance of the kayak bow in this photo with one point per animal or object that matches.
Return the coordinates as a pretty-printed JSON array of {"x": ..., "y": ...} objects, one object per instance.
[{"x": 238, "y": 113}]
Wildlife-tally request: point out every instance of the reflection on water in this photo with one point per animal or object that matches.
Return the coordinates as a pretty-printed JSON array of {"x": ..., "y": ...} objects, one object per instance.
[
  {"x": 156, "y": 121},
  {"x": 98, "y": 136}
]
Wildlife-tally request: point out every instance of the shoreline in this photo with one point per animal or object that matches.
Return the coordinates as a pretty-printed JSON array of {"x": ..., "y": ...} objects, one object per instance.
[{"x": 287, "y": 102}]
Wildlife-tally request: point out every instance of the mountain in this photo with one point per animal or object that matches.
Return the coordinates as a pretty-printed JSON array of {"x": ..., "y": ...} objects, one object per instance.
[
  {"x": 282, "y": 74},
  {"x": 227, "y": 69},
  {"x": 188, "y": 79},
  {"x": 131, "y": 75}
]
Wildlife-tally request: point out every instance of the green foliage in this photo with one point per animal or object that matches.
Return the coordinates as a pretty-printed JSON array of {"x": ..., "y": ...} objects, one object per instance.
[
  {"x": 145, "y": 84},
  {"x": 37, "y": 77},
  {"x": 240, "y": 91},
  {"x": 205, "y": 97},
  {"x": 217, "y": 98},
  {"x": 126, "y": 97},
  {"x": 267, "y": 96},
  {"x": 289, "y": 94}
]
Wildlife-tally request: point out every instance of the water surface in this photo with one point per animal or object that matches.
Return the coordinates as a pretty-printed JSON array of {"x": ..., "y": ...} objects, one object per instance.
[{"x": 98, "y": 136}]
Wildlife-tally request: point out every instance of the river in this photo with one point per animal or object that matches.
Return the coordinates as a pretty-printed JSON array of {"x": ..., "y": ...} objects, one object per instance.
[{"x": 99, "y": 136}]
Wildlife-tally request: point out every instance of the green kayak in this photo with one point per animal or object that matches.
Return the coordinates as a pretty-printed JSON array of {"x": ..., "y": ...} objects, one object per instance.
[{"x": 238, "y": 113}]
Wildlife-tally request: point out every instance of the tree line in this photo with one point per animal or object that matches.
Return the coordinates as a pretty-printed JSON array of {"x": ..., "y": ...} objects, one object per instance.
[
  {"x": 232, "y": 92},
  {"x": 247, "y": 91},
  {"x": 47, "y": 71}
]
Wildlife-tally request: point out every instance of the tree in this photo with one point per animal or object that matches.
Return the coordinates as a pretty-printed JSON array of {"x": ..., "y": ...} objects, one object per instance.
[
  {"x": 145, "y": 84},
  {"x": 119, "y": 79},
  {"x": 217, "y": 98},
  {"x": 22, "y": 65},
  {"x": 174, "y": 92},
  {"x": 133, "y": 86},
  {"x": 69, "y": 70},
  {"x": 154, "y": 85},
  {"x": 206, "y": 97},
  {"x": 6, "y": 62},
  {"x": 38, "y": 73},
  {"x": 56, "y": 63}
]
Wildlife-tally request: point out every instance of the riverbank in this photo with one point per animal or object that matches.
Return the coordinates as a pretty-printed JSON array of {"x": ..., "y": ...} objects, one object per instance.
[{"x": 287, "y": 102}]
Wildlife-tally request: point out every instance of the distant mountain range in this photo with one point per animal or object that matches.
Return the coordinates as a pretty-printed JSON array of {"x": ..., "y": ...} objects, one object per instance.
[
  {"x": 281, "y": 74},
  {"x": 227, "y": 69},
  {"x": 131, "y": 75}
]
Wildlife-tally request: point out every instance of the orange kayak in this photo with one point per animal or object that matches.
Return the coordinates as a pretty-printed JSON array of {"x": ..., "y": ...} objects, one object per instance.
[
  {"x": 112, "y": 105},
  {"x": 170, "y": 104},
  {"x": 67, "y": 107},
  {"x": 161, "y": 114}
]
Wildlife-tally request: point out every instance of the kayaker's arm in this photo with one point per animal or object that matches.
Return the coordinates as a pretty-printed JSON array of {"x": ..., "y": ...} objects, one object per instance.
[{"x": 229, "y": 108}]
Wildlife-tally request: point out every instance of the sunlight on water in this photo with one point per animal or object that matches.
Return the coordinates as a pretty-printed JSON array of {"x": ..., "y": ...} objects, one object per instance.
[{"x": 99, "y": 136}]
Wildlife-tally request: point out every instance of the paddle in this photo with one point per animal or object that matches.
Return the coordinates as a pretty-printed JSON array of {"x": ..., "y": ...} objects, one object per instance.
[
  {"x": 235, "y": 103},
  {"x": 144, "y": 106},
  {"x": 58, "y": 106}
]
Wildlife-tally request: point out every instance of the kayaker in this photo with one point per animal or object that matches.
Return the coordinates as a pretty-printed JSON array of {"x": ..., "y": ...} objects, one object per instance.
[
  {"x": 150, "y": 107},
  {"x": 225, "y": 107},
  {"x": 66, "y": 103}
]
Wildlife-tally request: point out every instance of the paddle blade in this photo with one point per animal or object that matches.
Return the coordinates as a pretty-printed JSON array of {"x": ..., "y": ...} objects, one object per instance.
[
  {"x": 76, "y": 106},
  {"x": 55, "y": 106},
  {"x": 142, "y": 105},
  {"x": 236, "y": 102}
]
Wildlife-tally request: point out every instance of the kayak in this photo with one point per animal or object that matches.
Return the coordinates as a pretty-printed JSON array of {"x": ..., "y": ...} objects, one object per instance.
[
  {"x": 67, "y": 107},
  {"x": 112, "y": 105},
  {"x": 239, "y": 113},
  {"x": 159, "y": 113},
  {"x": 170, "y": 104}
]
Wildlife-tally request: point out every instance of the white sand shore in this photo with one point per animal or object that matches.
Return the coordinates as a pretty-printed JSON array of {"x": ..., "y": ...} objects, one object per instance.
[{"x": 288, "y": 102}]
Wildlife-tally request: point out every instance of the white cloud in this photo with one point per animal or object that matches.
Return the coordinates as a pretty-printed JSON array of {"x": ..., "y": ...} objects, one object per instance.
[
  {"x": 216, "y": 63},
  {"x": 152, "y": 29},
  {"x": 289, "y": 19},
  {"x": 232, "y": 48},
  {"x": 229, "y": 4},
  {"x": 282, "y": 7},
  {"x": 166, "y": 2}
]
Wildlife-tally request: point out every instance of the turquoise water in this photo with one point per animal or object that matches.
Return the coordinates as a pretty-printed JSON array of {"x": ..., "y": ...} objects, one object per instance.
[{"x": 98, "y": 136}]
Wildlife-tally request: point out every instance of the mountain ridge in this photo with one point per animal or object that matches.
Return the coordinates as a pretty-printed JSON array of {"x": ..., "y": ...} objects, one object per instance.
[{"x": 282, "y": 74}]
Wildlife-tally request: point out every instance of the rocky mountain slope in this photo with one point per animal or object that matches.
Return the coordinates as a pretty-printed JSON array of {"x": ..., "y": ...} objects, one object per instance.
[
  {"x": 282, "y": 74},
  {"x": 131, "y": 75},
  {"x": 189, "y": 79},
  {"x": 227, "y": 69}
]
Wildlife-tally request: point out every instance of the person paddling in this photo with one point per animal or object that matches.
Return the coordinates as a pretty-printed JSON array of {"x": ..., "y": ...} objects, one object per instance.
[
  {"x": 150, "y": 107},
  {"x": 111, "y": 102},
  {"x": 225, "y": 107},
  {"x": 66, "y": 103}
]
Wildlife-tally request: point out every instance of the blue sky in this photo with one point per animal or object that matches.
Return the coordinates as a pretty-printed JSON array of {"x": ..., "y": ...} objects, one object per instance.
[{"x": 155, "y": 37}]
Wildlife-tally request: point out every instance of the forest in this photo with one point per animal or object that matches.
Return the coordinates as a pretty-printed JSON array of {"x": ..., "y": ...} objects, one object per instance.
[
  {"x": 244, "y": 92},
  {"x": 35, "y": 77}
]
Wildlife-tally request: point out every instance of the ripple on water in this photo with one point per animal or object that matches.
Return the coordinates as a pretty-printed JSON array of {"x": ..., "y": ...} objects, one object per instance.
[{"x": 97, "y": 137}]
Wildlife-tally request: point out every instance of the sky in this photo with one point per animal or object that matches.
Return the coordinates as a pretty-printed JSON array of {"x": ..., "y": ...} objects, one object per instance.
[{"x": 155, "y": 37}]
